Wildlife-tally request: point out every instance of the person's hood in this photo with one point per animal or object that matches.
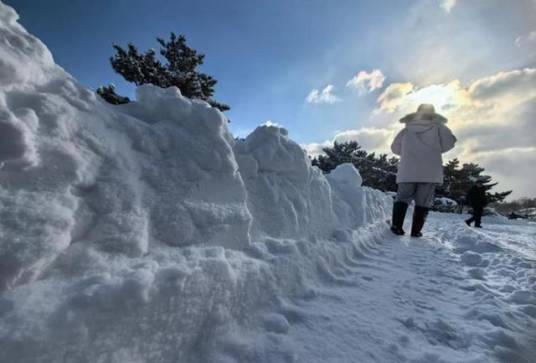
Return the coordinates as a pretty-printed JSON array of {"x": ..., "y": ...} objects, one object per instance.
[{"x": 420, "y": 126}]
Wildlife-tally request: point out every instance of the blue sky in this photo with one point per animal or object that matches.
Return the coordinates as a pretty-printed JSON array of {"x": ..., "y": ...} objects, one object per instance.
[
  {"x": 270, "y": 56},
  {"x": 267, "y": 55}
]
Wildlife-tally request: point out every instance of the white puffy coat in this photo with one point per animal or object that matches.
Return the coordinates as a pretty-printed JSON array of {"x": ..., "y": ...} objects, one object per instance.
[{"x": 420, "y": 145}]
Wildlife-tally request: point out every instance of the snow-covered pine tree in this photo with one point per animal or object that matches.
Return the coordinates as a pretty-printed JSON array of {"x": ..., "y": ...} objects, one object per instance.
[
  {"x": 139, "y": 68},
  {"x": 180, "y": 70},
  {"x": 458, "y": 180}
]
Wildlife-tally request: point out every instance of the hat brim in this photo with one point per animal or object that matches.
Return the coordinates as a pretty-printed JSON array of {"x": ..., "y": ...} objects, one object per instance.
[{"x": 418, "y": 116}]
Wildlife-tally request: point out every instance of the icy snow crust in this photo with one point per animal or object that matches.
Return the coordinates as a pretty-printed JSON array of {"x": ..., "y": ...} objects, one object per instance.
[{"x": 147, "y": 233}]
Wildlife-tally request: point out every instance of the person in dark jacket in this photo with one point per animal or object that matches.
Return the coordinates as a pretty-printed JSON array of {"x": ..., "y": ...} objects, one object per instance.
[{"x": 476, "y": 198}]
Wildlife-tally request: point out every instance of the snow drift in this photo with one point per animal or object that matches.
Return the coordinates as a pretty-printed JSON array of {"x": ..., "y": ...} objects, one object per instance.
[{"x": 145, "y": 232}]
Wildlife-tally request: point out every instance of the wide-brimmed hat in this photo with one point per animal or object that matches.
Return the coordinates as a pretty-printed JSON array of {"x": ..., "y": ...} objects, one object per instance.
[{"x": 425, "y": 111}]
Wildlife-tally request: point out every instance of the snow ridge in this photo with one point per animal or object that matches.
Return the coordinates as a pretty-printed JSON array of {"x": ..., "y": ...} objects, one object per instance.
[{"x": 144, "y": 232}]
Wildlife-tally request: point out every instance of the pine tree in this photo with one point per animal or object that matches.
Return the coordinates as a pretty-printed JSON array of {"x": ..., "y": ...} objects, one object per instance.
[
  {"x": 340, "y": 153},
  {"x": 455, "y": 185},
  {"x": 458, "y": 181},
  {"x": 109, "y": 95},
  {"x": 384, "y": 172},
  {"x": 180, "y": 69},
  {"x": 376, "y": 171},
  {"x": 139, "y": 68}
]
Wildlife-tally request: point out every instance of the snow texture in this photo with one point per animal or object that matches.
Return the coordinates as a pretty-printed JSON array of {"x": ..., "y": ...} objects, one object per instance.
[
  {"x": 145, "y": 233},
  {"x": 141, "y": 232}
]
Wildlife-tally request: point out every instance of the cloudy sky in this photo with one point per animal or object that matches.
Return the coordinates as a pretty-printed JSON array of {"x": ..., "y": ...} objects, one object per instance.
[{"x": 335, "y": 70}]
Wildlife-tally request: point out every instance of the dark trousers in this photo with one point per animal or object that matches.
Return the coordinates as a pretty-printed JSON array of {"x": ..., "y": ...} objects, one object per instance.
[{"x": 477, "y": 216}]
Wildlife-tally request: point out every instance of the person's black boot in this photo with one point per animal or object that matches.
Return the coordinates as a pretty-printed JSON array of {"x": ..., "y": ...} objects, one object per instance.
[
  {"x": 419, "y": 217},
  {"x": 399, "y": 213}
]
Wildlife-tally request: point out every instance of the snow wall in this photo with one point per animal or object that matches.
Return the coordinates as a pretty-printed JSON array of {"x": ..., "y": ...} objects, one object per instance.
[{"x": 146, "y": 233}]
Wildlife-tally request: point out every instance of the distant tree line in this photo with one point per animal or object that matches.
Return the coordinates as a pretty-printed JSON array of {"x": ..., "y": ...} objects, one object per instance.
[
  {"x": 180, "y": 69},
  {"x": 515, "y": 205},
  {"x": 379, "y": 172}
]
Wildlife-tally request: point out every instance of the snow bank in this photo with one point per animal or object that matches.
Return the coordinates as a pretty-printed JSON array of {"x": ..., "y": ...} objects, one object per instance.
[
  {"x": 289, "y": 198},
  {"x": 145, "y": 233}
]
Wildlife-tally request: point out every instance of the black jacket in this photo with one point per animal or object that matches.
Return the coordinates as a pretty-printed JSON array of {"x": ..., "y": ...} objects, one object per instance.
[{"x": 476, "y": 196}]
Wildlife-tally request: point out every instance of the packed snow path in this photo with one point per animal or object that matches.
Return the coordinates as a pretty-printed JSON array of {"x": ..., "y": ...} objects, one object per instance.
[{"x": 456, "y": 295}]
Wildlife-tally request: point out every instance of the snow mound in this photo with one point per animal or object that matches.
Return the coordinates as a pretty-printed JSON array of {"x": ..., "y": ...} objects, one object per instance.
[
  {"x": 19, "y": 47},
  {"x": 287, "y": 197},
  {"x": 145, "y": 233}
]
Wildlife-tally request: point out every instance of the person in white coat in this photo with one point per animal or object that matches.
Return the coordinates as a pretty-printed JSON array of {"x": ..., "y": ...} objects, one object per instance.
[{"x": 420, "y": 169}]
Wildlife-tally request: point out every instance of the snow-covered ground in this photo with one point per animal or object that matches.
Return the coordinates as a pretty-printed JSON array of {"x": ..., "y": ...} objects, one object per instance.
[
  {"x": 458, "y": 295},
  {"x": 146, "y": 233}
]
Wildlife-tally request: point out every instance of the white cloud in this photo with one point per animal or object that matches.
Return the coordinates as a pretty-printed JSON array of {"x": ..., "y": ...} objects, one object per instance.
[
  {"x": 400, "y": 99},
  {"x": 492, "y": 94},
  {"x": 505, "y": 87},
  {"x": 526, "y": 40},
  {"x": 512, "y": 168},
  {"x": 365, "y": 81},
  {"x": 325, "y": 96},
  {"x": 370, "y": 139},
  {"x": 314, "y": 149},
  {"x": 447, "y": 5},
  {"x": 394, "y": 95}
]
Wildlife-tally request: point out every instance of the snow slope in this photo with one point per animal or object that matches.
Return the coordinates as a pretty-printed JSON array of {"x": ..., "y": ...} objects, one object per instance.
[{"x": 146, "y": 233}]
